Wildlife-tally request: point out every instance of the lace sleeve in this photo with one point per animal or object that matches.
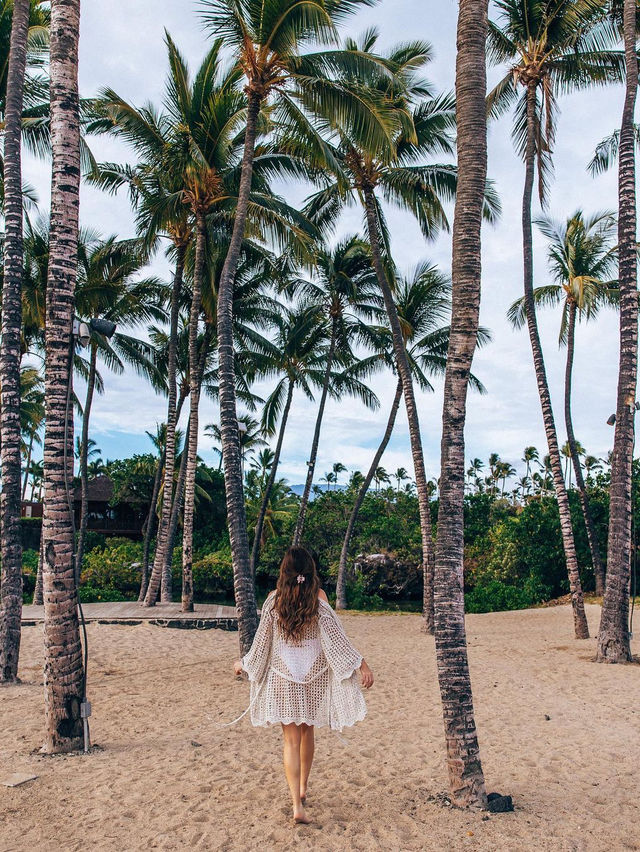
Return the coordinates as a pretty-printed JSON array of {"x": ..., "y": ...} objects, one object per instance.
[
  {"x": 256, "y": 661},
  {"x": 342, "y": 657}
]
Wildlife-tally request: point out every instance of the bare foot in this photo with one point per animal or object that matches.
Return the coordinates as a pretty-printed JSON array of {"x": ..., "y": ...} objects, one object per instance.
[
  {"x": 300, "y": 816},
  {"x": 303, "y": 797}
]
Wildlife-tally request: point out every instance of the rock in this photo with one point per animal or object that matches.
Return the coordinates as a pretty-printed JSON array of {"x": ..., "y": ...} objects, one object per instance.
[
  {"x": 499, "y": 804},
  {"x": 17, "y": 779},
  {"x": 383, "y": 574}
]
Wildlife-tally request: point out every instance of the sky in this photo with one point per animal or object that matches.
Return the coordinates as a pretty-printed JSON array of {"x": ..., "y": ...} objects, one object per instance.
[{"x": 124, "y": 49}]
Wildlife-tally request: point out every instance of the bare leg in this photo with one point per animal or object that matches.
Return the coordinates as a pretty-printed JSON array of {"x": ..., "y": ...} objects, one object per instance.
[
  {"x": 307, "y": 747},
  {"x": 291, "y": 753}
]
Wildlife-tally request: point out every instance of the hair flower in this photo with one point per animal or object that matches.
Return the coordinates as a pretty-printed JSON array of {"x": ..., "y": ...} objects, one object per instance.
[{"x": 300, "y": 578}]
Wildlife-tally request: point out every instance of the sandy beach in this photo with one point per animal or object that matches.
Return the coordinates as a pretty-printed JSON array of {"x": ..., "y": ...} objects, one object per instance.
[{"x": 557, "y": 732}]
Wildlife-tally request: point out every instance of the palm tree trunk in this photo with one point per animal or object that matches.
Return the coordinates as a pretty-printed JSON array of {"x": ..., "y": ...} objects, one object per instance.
[
  {"x": 25, "y": 481},
  {"x": 592, "y": 534},
  {"x": 63, "y": 666},
  {"x": 466, "y": 779},
  {"x": 37, "y": 592},
  {"x": 243, "y": 582},
  {"x": 10, "y": 532},
  {"x": 178, "y": 503},
  {"x": 404, "y": 371},
  {"x": 257, "y": 536},
  {"x": 194, "y": 403},
  {"x": 579, "y": 618},
  {"x": 84, "y": 455},
  {"x": 613, "y": 635},
  {"x": 341, "y": 584},
  {"x": 311, "y": 464},
  {"x": 178, "y": 500},
  {"x": 176, "y": 508},
  {"x": 170, "y": 440},
  {"x": 149, "y": 527}
]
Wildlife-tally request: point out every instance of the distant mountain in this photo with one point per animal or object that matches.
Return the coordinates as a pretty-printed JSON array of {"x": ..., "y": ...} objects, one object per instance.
[{"x": 299, "y": 489}]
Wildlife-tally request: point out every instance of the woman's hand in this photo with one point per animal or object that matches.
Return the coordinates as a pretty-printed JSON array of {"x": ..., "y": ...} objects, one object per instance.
[
  {"x": 237, "y": 667},
  {"x": 367, "y": 675}
]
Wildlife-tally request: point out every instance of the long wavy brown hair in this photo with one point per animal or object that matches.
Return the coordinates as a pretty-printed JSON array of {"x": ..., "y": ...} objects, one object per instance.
[{"x": 296, "y": 600}]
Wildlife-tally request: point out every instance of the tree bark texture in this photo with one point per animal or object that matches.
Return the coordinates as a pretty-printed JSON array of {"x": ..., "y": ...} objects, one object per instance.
[
  {"x": 243, "y": 582},
  {"x": 194, "y": 403},
  {"x": 592, "y": 533},
  {"x": 613, "y": 635},
  {"x": 149, "y": 529},
  {"x": 577, "y": 601},
  {"x": 466, "y": 779},
  {"x": 158, "y": 571},
  {"x": 10, "y": 534},
  {"x": 63, "y": 666},
  {"x": 404, "y": 371},
  {"x": 84, "y": 458}
]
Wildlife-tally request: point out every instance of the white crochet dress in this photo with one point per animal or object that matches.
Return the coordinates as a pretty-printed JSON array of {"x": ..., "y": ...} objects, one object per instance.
[{"x": 312, "y": 680}]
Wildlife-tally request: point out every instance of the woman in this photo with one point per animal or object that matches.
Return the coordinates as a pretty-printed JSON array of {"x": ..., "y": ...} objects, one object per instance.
[{"x": 302, "y": 669}]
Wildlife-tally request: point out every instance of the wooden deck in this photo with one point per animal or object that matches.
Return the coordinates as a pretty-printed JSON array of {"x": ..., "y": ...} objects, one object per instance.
[{"x": 205, "y": 616}]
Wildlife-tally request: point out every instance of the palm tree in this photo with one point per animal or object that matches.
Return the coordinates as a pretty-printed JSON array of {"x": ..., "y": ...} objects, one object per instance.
[
  {"x": 400, "y": 476},
  {"x": 208, "y": 112},
  {"x": 591, "y": 463},
  {"x": 36, "y": 469},
  {"x": 582, "y": 261},
  {"x": 529, "y": 455},
  {"x": 337, "y": 469},
  {"x": 251, "y": 436},
  {"x": 189, "y": 166},
  {"x": 11, "y": 545},
  {"x": 157, "y": 440},
  {"x": 24, "y": 28},
  {"x": 505, "y": 471},
  {"x": 63, "y": 665},
  {"x": 474, "y": 470},
  {"x": 266, "y": 39},
  {"x": 31, "y": 415},
  {"x": 551, "y": 46},
  {"x": 155, "y": 178},
  {"x": 342, "y": 287},
  {"x": 281, "y": 506},
  {"x": 329, "y": 477},
  {"x": 108, "y": 286},
  {"x": 423, "y": 304},
  {"x": 613, "y": 634},
  {"x": 298, "y": 354},
  {"x": 466, "y": 779},
  {"x": 380, "y": 475},
  {"x": 394, "y": 167},
  {"x": 524, "y": 484}
]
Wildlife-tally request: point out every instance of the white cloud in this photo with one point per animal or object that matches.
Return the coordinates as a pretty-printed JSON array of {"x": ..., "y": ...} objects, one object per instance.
[{"x": 124, "y": 49}]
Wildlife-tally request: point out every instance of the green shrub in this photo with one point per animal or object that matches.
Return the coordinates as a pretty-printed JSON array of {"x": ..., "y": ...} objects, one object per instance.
[
  {"x": 91, "y": 594},
  {"x": 358, "y": 598},
  {"x": 30, "y": 562},
  {"x": 213, "y": 574},
  {"x": 110, "y": 567},
  {"x": 29, "y": 573},
  {"x": 493, "y": 595},
  {"x": 95, "y": 539}
]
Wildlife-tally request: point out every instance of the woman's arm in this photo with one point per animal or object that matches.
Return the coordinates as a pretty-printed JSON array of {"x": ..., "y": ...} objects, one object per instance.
[
  {"x": 367, "y": 675},
  {"x": 365, "y": 671},
  {"x": 342, "y": 657},
  {"x": 255, "y": 662}
]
